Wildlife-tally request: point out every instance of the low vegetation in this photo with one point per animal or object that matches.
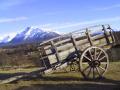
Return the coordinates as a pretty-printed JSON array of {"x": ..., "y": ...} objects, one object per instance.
[{"x": 21, "y": 56}]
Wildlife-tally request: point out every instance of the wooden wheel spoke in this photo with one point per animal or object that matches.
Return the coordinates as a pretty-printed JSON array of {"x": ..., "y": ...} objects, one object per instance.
[
  {"x": 85, "y": 63},
  {"x": 104, "y": 63},
  {"x": 99, "y": 55},
  {"x": 87, "y": 58},
  {"x": 98, "y": 71},
  {"x": 90, "y": 54},
  {"x": 89, "y": 72},
  {"x": 102, "y": 58},
  {"x": 102, "y": 68},
  {"x": 86, "y": 68},
  {"x": 93, "y": 72},
  {"x": 94, "y": 53}
]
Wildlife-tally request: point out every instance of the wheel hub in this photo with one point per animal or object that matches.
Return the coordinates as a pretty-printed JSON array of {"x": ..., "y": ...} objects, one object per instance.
[{"x": 94, "y": 63}]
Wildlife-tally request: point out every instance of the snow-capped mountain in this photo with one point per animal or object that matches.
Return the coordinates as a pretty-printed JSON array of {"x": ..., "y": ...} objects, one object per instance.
[
  {"x": 29, "y": 35},
  {"x": 33, "y": 35}
]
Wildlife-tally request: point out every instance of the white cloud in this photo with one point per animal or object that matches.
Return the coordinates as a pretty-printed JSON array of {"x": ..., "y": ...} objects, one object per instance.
[
  {"x": 108, "y": 7},
  {"x": 42, "y": 25},
  {"x": 6, "y": 20},
  {"x": 57, "y": 27},
  {"x": 97, "y": 21}
]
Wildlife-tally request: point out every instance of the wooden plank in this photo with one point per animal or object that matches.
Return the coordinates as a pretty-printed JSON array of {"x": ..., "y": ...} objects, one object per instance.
[
  {"x": 41, "y": 58},
  {"x": 65, "y": 47},
  {"x": 82, "y": 40},
  {"x": 98, "y": 37},
  {"x": 105, "y": 33},
  {"x": 56, "y": 51},
  {"x": 65, "y": 54},
  {"x": 78, "y": 43},
  {"x": 65, "y": 50},
  {"x": 63, "y": 41},
  {"x": 111, "y": 34},
  {"x": 89, "y": 37},
  {"x": 53, "y": 59},
  {"x": 58, "y": 43},
  {"x": 74, "y": 43}
]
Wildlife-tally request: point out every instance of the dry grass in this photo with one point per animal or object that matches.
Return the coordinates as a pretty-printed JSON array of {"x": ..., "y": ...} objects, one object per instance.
[
  {"x": 70, "y": 81},
  {"x": 18, "y": 70}
]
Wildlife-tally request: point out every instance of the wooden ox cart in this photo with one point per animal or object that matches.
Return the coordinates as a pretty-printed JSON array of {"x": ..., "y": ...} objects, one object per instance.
[{"x": 87, "y": 47}]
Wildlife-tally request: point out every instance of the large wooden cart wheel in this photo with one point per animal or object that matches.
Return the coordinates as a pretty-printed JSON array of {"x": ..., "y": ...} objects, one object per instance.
[{"x": 93, "y": 62}]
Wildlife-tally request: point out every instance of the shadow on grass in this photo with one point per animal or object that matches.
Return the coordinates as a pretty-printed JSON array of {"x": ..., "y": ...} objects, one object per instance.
[
  {"x": 68, "y": 83},
  {"x": 70, "y": 87},
  {"x": 82, "y": 84},
  {"x": 4, "y": 76}
]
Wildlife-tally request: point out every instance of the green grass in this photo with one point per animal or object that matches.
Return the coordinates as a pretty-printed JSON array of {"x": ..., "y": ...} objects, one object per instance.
[
  {"x": 71, "y": 81},
  {"x": 113, "y": 71}
]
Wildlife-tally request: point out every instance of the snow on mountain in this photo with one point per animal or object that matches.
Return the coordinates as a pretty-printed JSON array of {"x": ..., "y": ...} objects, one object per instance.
[
  {"x": 5, "y": 38},
  {"x": 31, "y": 34}
]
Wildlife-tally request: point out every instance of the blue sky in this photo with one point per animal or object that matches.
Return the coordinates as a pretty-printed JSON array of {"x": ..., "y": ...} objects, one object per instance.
[{"x": 57, "y": 15}]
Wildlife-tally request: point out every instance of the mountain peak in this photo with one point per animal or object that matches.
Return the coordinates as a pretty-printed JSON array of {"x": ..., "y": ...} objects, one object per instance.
[{"x": 31, "y": 34}]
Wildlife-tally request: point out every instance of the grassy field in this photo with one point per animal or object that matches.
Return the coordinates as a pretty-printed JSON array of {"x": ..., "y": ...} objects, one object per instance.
[{"x": 69, "y": 81}]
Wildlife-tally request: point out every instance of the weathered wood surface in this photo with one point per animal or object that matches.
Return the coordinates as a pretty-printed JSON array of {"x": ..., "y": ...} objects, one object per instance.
[
  {"x": 89, "y": 37},
  {"x": 64, "y": 47},
  {"x": 79, "y": 43},
  {"x": 105, "y": 33}
]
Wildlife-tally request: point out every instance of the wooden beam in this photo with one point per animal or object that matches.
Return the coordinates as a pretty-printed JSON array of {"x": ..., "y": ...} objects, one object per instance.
[
  {"x": 106, "y": 36},
  {"x": 89, "y": 37},
  {"x": 74, "y": 43},
  {"x": 111, "y": 34},
  {"x": 56, "y": 51},
  {"x": 75, "y": 46}
]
